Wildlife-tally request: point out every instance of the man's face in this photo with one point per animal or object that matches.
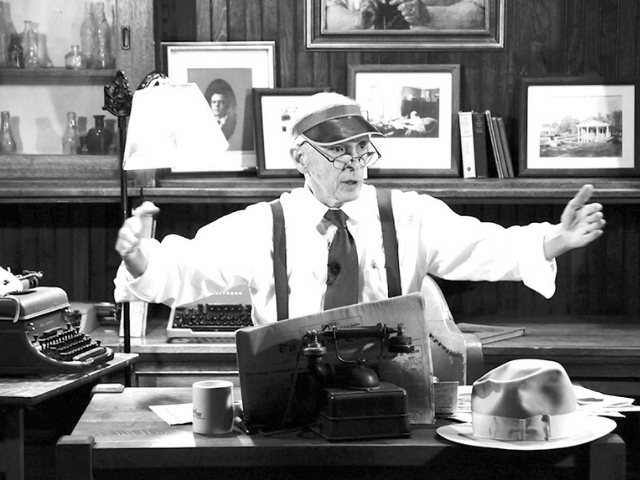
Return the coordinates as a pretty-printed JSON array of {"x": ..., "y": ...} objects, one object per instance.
[
  {"x": 219, "y": 105},
  {"x": 330, "y": 185}
]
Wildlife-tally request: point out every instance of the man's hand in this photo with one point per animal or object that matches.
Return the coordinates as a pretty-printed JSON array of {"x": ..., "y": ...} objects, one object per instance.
[
  {"x": 132, "y": 231},
  {"x": 580, "y": 224}
]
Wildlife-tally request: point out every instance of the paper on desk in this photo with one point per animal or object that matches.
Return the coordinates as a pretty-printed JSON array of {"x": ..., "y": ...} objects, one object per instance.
[
  {"x": 174, "y": 414},
  {"x": 589, "y": 401}
]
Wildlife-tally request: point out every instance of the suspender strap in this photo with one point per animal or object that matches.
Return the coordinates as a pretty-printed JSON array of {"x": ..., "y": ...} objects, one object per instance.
[
  {"x": 280, "y": 261},
  {"x": 390, "y": 242}
]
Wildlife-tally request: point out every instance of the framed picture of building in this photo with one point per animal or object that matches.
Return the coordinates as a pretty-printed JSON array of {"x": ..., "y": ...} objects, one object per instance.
[
  {"x": 404, "y": 24},
  {"x": 226, "y": 73},
  {"x": 415, "y": 107},
  {"x": 579, "y": 127}
]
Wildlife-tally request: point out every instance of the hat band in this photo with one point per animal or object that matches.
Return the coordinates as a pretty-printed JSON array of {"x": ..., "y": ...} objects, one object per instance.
[
  {"x": 324, "y": 115},
  {"x": 536, "y": 428}
]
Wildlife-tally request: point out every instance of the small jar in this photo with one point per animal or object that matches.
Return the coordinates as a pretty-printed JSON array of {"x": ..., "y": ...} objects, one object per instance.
[{"x": 75, "y": 59}]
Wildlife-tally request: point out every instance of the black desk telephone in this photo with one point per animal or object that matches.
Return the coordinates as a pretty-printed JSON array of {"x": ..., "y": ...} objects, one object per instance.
[{"x": 351, "y": 401}]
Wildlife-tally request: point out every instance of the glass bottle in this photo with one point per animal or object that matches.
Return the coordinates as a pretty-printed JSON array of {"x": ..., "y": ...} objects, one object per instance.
[
  {"x": 16, "y": 54},
  {"x": 75, "y": 59},
  {"x": 103, "y": 31},
  {"x": 5, "y": 38},
  {"x": 30, "y": 45},
  {"x": 89, "y": 35},
  {"x": 70, "y": 139},
  {"x": 7, "y": 143},
  {"x": 83, "y": 148},
  {"x": 96, "y": 136},
  {"x": 113, "y": 143}
]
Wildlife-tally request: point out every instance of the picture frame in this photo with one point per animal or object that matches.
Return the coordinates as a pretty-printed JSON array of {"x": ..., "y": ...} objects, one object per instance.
[
  {"x": 273, "y": 108},
  {"x": 579, "y": 127},
  {"x": 461, "y": 26},
  {"x": 416, "y": 108},
  {"x": 226, "y": 72}
]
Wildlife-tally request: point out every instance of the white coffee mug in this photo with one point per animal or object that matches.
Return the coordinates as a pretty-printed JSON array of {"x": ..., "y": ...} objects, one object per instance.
[{"x": 212, "y": 407}]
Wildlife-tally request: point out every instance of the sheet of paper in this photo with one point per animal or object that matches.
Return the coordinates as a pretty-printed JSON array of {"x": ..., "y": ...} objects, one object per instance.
[
  {"x": 9, "y": 283},
  {"x": 180, "y": 414}
]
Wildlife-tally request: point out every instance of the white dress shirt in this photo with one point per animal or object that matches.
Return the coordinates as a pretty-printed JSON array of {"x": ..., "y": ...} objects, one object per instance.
[{"x": 238, "y": 249}]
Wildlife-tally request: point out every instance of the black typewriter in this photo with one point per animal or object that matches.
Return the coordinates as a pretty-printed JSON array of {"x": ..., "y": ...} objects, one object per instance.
[
  {"x": 36, "y": 336},
  {"x": 215, "y": 318}
]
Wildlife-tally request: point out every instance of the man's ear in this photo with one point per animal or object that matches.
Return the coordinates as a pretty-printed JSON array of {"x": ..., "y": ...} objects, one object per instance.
[{"x": 299, "y": 159}]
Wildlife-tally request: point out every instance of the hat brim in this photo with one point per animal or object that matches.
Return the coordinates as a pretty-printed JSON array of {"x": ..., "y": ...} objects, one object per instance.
[
  {"x": 341, "y": 129},
  {"x": 593, "y": 428}
]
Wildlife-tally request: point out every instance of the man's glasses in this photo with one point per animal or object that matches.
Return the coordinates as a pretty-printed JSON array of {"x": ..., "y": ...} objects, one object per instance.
[{"x": 344, "y": 159}]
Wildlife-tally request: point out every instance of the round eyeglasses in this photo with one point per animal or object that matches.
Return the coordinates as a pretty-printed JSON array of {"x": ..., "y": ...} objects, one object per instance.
[{"x": 343, "y": 160}]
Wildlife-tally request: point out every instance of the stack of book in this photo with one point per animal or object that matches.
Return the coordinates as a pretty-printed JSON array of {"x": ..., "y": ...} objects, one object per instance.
[{"x": 485, "y": 149}]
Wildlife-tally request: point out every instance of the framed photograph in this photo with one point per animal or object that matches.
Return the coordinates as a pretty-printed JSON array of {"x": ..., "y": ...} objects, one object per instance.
[
  {"x": 416, "y": 108},
  {"x": 404, "y": 24},
  {"x": 579, "y": 127},
  {"x": 226, "y": 73},
  {"x": 273, "y": 109}
]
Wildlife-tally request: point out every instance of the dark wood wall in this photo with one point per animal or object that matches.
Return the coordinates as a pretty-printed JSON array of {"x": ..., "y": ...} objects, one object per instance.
[{"x": 73, "y": 243}]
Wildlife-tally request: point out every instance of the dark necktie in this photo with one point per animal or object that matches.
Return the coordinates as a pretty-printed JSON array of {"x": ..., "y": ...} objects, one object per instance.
[{"x": 342, "y": 267}]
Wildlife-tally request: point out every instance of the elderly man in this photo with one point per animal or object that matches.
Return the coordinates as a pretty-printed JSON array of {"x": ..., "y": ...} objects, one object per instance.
[{"x": 332, "y": 145}]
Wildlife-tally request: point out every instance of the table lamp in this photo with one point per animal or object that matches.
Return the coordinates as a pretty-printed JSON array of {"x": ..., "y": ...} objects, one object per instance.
[{"x": 160, "y": 125}]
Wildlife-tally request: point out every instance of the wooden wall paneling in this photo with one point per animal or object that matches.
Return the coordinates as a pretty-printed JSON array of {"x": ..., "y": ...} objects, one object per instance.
[
  {"x": 471, "y": 92},
  {"x": 490, "y": 73},
  {"x": 522, "y": 41},
  {"x": 303, "y": 58},
  {"x": 614, "y": 271},
  {"x": 204, "y": 20},
  {"x": 556, "y": 40},
  {"x": 285, "y": 43},
  {"x": 539, "y": 47},
  {"x": 270, "y": 20},
  {"x": 592, "y": 40},
  {"x": 631, "y": 254},
  {"x": 237, "y": 20},
  {"x": 575, "y": 34},
  {"x": 321, "y": 69},
  {"x": 140, "y": 59},
  {"x": 609, "y": 37},
  {"x": 338, "y": 71},
  {"x": 254, "y": 14},
  {"x": 219, "y": 21},
  {"x": 81, "y": 254},
  {"x": 629, "y": 35}
]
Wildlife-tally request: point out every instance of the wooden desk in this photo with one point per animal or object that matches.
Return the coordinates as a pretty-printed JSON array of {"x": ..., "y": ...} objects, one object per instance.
[
  {"x": 120, "y": 437},
  {"x": 603, "y": 356},
  {"x": 18, "y": 392}
]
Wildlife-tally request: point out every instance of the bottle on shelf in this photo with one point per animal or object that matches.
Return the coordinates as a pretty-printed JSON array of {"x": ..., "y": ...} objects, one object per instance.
[
  {"x": 75, "y": 59},
  {"x": 114, "y": 144},
  {"x": 104, "y": 55},
  {"x": 5, "y": 38},
  {"x": 30, "y": 45},
  {"x": 83, "y": 148},
  {"x": 89, "y": 35},
  {"x": 16, "y": 53},
  {"x": 70, "y": 139},
  {"x": 7, "y": 143},
  {"x": 98, "y": 137}
]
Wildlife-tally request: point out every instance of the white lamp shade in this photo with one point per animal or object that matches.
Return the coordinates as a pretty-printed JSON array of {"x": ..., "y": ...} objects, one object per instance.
[{"x": 172, "y": 125}]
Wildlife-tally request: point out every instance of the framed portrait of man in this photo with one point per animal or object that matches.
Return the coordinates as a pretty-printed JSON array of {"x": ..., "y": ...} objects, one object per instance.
[{"x": 226, "y": 73}]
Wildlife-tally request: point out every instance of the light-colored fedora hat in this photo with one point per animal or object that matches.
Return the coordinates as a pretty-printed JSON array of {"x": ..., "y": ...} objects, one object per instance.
[{"x": 526, "y": 404}]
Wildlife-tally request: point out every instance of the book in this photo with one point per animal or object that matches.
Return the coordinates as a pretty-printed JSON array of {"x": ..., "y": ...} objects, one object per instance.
[
  {"x": 480, "y": 144},
  {"x": 499, "y": 146},
  {"x": 505, "y": 147},
  {"x": 467, "y": 145},
  {"x": 494, "y": 143},
  {"x": 491, "y": 333}
]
